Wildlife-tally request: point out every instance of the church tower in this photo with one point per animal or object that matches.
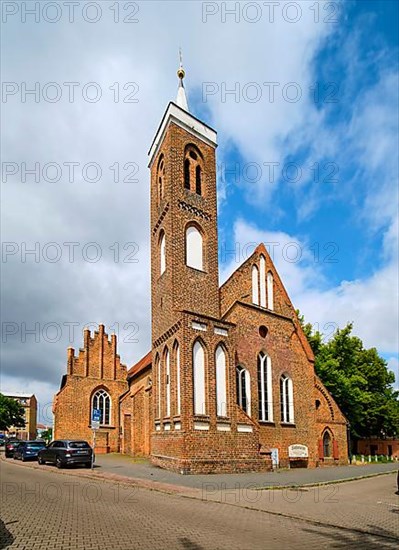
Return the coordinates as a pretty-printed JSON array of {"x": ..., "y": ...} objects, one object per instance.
[{"x": 194, "y": 410}]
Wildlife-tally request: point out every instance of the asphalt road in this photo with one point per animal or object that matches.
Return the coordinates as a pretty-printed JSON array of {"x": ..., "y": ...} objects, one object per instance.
[{"x": 46, "y": 509}]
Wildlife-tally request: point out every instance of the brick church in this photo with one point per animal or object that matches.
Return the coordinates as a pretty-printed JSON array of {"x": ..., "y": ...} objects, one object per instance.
[{"x": 229, "y": 384}]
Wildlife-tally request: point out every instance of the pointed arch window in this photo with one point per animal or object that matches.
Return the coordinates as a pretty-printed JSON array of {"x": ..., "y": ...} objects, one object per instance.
[
  {"x": 270, "y": 290},
  {"x": 198, "y": 188},
  {"x": 255, "y": 285},
  {"x": 102, "y": 401},
  {"x": 167, "y": 382},
  {"x": 327, "y": 451},
  {"x": 243, "y": 389},
  {"x": 177, "y": 359},
  {"x": 187, "y": 173},
  {"x": 162, "y": 252},
  {"x": 262, "y": 280},
  {"x": 194, "y": 248},
  {"x": 221, "y": 382},
  {"x": 199, "y": 378},
  {"x": 161, "y": 177},
  {"x": 193, "y": 169},
  {"x": 286, "y": 399},
  {"x": 159, "y": 386},
  {"x": 265, "y": 390}
]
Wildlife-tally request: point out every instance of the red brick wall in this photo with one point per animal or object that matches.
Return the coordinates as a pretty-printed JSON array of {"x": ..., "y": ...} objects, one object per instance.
[
  {"x": 96, "y": 366},
  {"x": 364, "y": 446}
]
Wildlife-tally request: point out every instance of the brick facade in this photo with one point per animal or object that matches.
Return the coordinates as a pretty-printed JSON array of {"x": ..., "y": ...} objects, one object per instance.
[
  {"x": 182, "y": 404},
  {"x": 97, "y": 366}
]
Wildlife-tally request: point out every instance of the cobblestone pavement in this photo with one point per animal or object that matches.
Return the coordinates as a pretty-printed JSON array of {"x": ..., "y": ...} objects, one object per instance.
[{"x": 44, "y": 509}]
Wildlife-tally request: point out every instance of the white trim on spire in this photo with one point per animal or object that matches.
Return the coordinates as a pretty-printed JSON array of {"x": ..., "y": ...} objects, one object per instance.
[{"x": 181, "y": 99}]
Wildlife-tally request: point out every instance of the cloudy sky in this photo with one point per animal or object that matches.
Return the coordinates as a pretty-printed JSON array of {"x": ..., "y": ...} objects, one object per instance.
[{"x": 304, "y": 98}]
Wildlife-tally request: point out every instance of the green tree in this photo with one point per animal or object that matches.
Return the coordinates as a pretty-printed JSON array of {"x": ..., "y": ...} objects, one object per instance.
[
  {"x": 47, "y": 435},
  {"x": 11, "y": 413},
  {"x": 359, "y": 381}
]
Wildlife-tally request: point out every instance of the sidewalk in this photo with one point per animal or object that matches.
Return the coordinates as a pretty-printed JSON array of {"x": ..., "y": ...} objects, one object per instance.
[{"x": 123, "y": 465}]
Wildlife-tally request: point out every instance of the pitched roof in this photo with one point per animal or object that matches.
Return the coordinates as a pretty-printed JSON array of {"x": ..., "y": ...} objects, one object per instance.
[{"x": 144, "y": 363}]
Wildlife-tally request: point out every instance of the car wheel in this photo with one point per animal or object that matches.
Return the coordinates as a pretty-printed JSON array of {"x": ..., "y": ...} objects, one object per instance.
[
  {"x": 23, "y": 459},
  {"x": 40, "y": 460},
  {"x": 58, "y": 462},
  {"x": 14, "y": 457}
]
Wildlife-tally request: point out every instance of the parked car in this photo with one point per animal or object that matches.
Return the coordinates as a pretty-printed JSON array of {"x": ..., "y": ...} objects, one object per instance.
[
  {"x": 28, "y": 450},
  {"x": 11, "y": 443},
  {"x": 65, "y": 452}
]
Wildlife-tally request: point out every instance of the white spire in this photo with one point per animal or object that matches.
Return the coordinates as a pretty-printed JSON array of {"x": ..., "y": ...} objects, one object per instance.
[{"x": 181, "y": 92}]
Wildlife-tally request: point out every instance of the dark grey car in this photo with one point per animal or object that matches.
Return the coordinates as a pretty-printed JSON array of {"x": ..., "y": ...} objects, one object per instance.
[{"x": 66, "y": 452}]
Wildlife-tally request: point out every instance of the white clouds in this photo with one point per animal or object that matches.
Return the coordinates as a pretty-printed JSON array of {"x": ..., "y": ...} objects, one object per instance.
[
  {"x": 370, "y": 303},
  {"x": 228, "y": 54}
]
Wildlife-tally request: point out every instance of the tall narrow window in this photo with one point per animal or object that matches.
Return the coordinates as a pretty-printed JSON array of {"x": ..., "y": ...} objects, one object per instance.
[
  {"x": 193, "y": 169},
  {"x": 177, "y": 359},
  {"x": 262, "y": 280},
  {"x": 162, "y": 252},
  {"x": 198, "y": 180},
  {"x": 270, "y": 291},
  {"x": 243, "y": 389},
  {"x": 159, "y": 384},
  {"x": 194, "y": 248},
  {"x": 221, "y": 386},
  {"x": 327, "y": 444},
  {"x": 255, "y": 285},
  {"x": 167, "y": 381},
  {"x": 161, "y": 177},
  {"x": 265, "y": 397},
  {"x": 187, "y": 174},
  {"x": 102, "y": 401},
  {"x": 199, "y": 378},
  {"x": 286, "y": 399}
]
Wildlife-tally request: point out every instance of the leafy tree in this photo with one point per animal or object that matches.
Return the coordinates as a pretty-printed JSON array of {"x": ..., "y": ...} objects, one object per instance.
[
  {"x": 47, "y": 435},
  {"x": 359, "y": 380},
  {"x": 11, "y": 413}
]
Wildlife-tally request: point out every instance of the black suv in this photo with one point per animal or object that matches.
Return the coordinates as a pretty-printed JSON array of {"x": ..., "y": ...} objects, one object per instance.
[
  {"x": 11, "y": 444},
  {"x": 65, "y": 452}
]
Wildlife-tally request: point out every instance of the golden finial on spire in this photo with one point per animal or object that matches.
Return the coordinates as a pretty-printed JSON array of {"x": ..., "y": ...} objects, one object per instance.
[{"x": 180, "y": 72}]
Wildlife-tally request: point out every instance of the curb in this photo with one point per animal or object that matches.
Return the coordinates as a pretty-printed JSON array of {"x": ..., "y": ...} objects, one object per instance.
[
  {"x": 170, "y": 488},
  {"x": 322, "y": 483}
]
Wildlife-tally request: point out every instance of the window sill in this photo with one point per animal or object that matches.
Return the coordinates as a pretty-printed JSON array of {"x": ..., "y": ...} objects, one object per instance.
[
  {"x": 266, "y": 422},
  {"x": 287, "y": 424},
  {"x": 196, "y": 269},
  {"x": 104, "y": 426}
]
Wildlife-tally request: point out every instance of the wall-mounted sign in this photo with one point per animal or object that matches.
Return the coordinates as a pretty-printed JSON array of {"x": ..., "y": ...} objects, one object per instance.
[
  {"x": 275, "y": 459},
  {"x": 298, "y": 451}
]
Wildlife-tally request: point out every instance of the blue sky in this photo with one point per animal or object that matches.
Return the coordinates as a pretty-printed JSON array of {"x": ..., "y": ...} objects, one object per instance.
[{"x": 345, "y": 231}]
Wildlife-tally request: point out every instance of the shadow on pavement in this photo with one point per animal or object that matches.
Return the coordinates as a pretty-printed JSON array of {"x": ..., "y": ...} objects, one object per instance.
[
  {"x": 379, "y": 538},
  {"x": 6, "y": 538}
]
